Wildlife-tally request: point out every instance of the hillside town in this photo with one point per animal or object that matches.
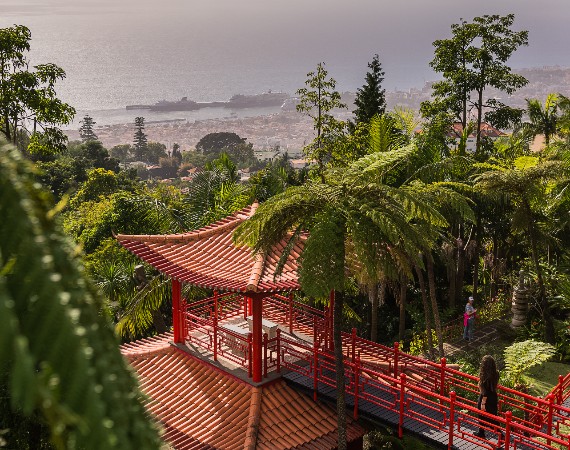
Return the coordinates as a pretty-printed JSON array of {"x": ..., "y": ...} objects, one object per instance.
[{"x": 289, "y": 131}]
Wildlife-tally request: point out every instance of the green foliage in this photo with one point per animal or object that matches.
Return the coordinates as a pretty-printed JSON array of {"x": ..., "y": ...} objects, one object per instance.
[
  {"x": 93, "y": 154},
  {"x": 521, "y": 356},
  {"x": 61, "y": 176},
  {"x": 215, "y": 193},
  {"x": 86, "y": 129},
  {"x": 121, "y": 152},
  {"x": 28, "y": 96},
  {"x": 59, "y": 356},
  {"x": 546, "y": 119},
  {"x": 99, "y": 183},
  {"x": 139, "y": 139},
  {"x": 317, "y": 101},
  {"x": 473, "y": 59},
  {"x": 370, "y": 98},
  {"x": 419, "y": 343},
  {"x": 217, "y": 143},
  {"x": 153, "y": 152}
]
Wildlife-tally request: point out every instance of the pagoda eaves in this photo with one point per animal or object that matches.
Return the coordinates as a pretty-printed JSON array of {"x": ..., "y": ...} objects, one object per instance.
[{"x": 208, "y": 258}]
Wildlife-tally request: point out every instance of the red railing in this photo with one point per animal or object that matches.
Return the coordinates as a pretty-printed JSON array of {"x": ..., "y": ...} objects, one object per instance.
[
  {"x": 401, "y": 395},
  {"x": 437, "y": 395},
  {"x": 561, "y": 392}
]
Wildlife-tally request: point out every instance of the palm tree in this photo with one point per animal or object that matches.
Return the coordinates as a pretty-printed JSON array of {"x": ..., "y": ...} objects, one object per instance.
[
  {"x": 353, "y": 209},
  {"x": 543, "y": 118},
  {"x": 528, "y": 183}
]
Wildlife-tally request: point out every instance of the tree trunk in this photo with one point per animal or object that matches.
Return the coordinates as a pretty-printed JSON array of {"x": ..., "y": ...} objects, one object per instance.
[
  {"x": 549, "y": 333},
  {"x": 158, "y": 322},
  {"x": 460, "y": 272},
  {"x": 476, "y": 265},
  {"x": 479, "y": 114},
  {"x": 339, "y": 366},
  {"x": 425, "y": 305},
  {"x": 402, "y": 324},
  {"x": 431, "y": 280},
  {"x": 373, "y": 298}
]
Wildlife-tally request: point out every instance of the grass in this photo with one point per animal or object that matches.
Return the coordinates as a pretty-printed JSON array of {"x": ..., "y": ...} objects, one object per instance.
[{"x": 543, "y": 378}]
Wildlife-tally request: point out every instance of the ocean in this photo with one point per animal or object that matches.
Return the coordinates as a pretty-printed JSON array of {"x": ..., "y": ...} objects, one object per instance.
[{"x": 123, "y": 52}]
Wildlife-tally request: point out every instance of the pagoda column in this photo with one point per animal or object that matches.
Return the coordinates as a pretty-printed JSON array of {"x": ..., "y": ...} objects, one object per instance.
[
  {"x": 257, "y": 337},
  {"x": 177, "y": 312}
]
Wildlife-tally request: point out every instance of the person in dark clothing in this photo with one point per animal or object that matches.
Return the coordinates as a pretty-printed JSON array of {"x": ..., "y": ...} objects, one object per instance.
[{"x": 488, "y": 399}]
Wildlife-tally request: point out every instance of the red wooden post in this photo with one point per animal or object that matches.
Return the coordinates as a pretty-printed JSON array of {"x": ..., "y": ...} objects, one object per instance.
[
  {"x": 396, "y": 345},
  {"x": 509, "y": 418},
  {"x": 560, "y": 388},
  {"x": 402, "y": 401},
  {"x": 315, "y": 360},
  {"x": 215, "y": 325},
  {"x": 356, "y": 385},
  {"x": 278, "y": 350},
  {"x": 265, "y": 355},
  {"x": 550, "y": 399},
  {"x": 331, "y": 321},
  {"x": 257, "y": 337},
  {"x": 291, "y": 313},
  {"x": 443, "y": 363},
  {"x": 353, "y": 344},
  {"x": 249, "y": 355},
  {"x": 176, "y": 313},
  {"x": 451, "y": 418},
  {"x": 250, "y": 306},
  {"x": 244, "y": 307}
]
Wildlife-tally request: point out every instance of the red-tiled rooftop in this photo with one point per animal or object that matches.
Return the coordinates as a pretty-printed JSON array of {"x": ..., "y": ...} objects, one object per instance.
[
  {"x": 487, "y": 130},
  {"x": 203, "y": 408},
  {"x": 208, "y": 258}
]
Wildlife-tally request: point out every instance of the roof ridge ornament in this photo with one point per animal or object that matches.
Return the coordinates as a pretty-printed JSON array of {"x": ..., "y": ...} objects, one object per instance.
[{"x": 256, "y": 272}]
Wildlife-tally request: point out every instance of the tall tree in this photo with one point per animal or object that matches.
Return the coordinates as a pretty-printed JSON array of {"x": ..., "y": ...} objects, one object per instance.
[
  {"x": 528, "y": 183},
  {"x": 317, "y": 101},
  {"x": 29, "y": 107},
  {"x": 352, "y": 212},
  {"x": 86, "y": 129},
  {"x": 473, "y": 59},
  {"x": 370, "y": 98},
  {"x": 140, "y": 139}
]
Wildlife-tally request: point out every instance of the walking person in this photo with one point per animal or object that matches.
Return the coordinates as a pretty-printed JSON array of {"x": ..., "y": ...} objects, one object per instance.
[
  {"x": 469, "y": 320},
  {"x": 488, "y": 400}
]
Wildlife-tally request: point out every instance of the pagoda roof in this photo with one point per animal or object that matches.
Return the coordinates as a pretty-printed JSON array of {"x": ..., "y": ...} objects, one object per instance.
[
  {"x": 208, "y": 258},
  {"x": 201, "y": 407}
]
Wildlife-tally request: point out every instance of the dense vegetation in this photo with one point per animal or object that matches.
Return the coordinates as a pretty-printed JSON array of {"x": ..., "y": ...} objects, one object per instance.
[{"x": 404, "y": 224}]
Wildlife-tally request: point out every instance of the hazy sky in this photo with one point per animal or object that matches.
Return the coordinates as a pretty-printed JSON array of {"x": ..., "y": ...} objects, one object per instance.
[{"x": 273, "y": 43}]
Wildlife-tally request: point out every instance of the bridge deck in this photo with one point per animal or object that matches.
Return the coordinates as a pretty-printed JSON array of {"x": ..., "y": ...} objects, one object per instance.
[{"x": 435, "y": 435}]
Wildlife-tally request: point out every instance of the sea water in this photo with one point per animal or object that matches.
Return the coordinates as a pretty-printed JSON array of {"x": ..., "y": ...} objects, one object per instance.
[{"x": 123, "y": 52}]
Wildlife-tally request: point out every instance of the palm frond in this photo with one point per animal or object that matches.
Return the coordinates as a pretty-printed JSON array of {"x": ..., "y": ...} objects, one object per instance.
[{"x": 138, "y": 314}]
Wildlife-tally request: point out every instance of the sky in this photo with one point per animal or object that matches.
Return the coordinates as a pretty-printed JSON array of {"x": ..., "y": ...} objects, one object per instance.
[{"x": 222, "y": 45}]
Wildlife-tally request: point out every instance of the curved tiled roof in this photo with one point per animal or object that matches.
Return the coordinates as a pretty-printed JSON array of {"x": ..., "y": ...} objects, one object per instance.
[
  {"x": 208, "y": 258},
  {"x": 203, "y": 408}
]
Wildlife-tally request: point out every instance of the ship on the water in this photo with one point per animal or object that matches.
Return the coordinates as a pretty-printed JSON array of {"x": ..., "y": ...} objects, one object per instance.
[{"x": 238, "y": 101}]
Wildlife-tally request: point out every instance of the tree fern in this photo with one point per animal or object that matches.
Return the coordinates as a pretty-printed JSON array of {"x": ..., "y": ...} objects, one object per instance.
[{"x": 521, "y": 356}]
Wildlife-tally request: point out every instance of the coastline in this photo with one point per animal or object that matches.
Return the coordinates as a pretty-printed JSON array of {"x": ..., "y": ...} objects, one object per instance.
[{"x": 289, "y": 130}]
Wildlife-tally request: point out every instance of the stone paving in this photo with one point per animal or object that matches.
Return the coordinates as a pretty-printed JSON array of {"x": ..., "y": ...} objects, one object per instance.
[{"x": 482, "y": 335}]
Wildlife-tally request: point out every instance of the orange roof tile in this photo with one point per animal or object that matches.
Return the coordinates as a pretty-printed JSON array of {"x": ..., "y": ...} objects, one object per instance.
[
  {"x": 487, "y": 130},
  {"x": 202, "y": 408},
  {"x": 208, "y": 258}
]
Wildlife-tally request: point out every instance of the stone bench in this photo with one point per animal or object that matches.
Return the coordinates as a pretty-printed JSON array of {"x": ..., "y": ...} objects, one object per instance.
[
  {"x": 266, "y": 325},
  {"x": 235, "y": 344}
]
